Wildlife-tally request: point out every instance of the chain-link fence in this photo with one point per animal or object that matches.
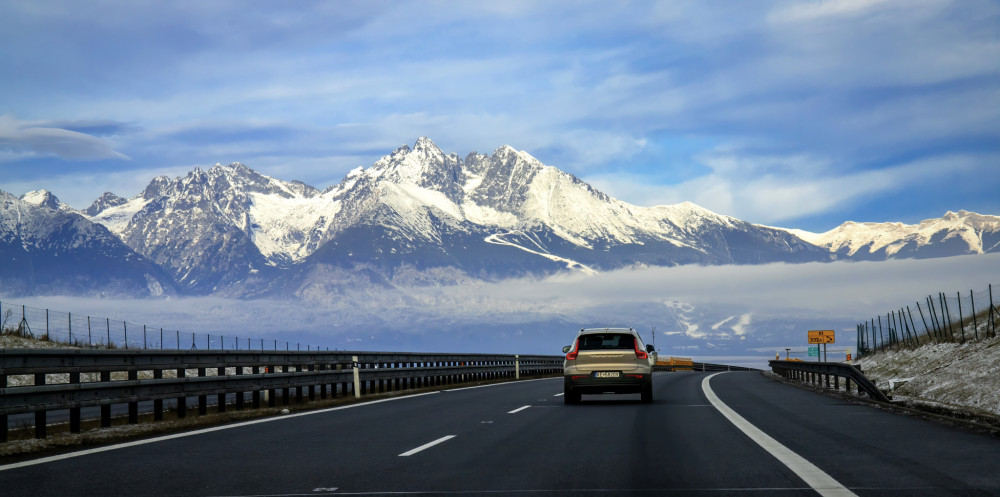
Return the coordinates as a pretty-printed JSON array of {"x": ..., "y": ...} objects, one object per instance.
[
  {"x": 92, "y": 332},
  {"x": 939, "y": 318}
]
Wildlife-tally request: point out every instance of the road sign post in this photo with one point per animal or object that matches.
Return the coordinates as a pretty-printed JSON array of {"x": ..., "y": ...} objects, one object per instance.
[{"x": 821, "y": 337}]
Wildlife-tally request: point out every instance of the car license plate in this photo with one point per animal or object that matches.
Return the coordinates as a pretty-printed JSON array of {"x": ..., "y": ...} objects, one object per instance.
[{"x": 606, "y": 374}]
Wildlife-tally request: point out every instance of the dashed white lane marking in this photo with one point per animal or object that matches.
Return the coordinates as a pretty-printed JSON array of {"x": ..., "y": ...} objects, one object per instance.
[
  {"x": 44, "y": 460},
  {"x": 816, "y": 478},
  {"x": 560, "y": 394},
  {"x": 519, "y": 409},
  {"x": 427, "y": 446}
]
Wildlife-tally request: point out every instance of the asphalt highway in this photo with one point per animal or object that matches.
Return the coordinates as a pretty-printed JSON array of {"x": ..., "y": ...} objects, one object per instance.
[{"x": 705, "y": 434}]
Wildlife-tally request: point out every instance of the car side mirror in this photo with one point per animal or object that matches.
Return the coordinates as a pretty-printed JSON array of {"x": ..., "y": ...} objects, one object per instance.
[
  {"x": 649, "y": 348},
  {"x": 567, "y": 348}
]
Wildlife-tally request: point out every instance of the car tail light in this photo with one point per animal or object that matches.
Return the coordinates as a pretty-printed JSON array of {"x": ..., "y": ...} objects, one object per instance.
[
  {"x": 571, "y": 356},
  {"x": 639, "y": 353}
]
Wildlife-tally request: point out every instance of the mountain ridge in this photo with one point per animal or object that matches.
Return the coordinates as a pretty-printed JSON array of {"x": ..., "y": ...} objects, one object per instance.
[{"x": 230, "y": 230}]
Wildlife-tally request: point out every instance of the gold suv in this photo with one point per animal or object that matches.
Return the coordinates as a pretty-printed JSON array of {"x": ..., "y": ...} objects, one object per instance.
[{"x": 607, "y": 360}]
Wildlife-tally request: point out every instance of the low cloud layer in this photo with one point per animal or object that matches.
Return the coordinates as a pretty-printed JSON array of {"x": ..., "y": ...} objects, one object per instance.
[{"x": 696, "y": 310}]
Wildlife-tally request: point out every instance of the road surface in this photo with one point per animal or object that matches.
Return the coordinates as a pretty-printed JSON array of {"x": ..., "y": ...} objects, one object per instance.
[{"x": 705, "y": 434}]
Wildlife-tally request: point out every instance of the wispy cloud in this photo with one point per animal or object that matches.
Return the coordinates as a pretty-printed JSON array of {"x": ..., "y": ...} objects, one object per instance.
[
  {"x": 777, "y": 189},
  {"x": 600, "y": 90},
  {"x": 21, "y": 139}
]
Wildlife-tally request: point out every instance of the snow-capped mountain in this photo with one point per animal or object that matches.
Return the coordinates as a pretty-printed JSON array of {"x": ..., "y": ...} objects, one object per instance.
[
  {"x": 45, "y": 248},
  {"x": 230, "y": 229},
  {"x": 953, "y": 234},
  {"x": 44, "y": 198},
  {"x": 216, "y": 230},
  {"x": 419, "y": 216}
]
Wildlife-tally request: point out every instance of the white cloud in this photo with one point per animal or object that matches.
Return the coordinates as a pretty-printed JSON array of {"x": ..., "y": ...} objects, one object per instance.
[
  {"x": 21, "y": 139},
  {"x": 827, "y": 9},
  {"x": 774, "y": 189}
]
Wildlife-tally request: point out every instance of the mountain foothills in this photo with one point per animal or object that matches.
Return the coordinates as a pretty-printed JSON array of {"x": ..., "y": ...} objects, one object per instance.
[{"x": 416, "y": 217}]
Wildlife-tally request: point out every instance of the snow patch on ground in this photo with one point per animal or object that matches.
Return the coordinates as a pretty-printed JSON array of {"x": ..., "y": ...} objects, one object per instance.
[{"x": 966, "y": 375}]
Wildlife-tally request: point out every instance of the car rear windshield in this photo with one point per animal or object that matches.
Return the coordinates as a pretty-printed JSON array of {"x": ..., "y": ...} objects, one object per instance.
[{"x": 600, "y": 341}]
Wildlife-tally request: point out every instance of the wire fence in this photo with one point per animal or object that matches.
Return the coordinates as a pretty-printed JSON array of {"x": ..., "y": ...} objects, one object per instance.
[
  {"x": 90, "y": 332},
  {"x": 939, "y": 318}
]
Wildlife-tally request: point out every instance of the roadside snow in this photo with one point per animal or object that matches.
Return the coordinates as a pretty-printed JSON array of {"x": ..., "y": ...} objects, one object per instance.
[{"x": 957, "y": 375}]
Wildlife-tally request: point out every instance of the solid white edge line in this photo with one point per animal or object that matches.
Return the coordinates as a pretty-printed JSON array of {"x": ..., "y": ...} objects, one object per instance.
[
  {"x": 70, "y": 455},
  {"x": 515, "y": 382},
  {"x": 519, "y": 409},
  {"x": 427, "y": 445},
  {"x": 816, "y": 478}
]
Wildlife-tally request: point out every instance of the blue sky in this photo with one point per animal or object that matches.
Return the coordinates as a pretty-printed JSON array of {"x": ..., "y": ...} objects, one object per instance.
[{"x": 802, "y": 114}]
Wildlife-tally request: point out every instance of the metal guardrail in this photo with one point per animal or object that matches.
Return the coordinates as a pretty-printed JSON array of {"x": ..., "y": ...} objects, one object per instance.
[
  {"x": 701, "y": 366},
  {"x": 79, "y": 378},
  {"x": 820, "y": 372}
]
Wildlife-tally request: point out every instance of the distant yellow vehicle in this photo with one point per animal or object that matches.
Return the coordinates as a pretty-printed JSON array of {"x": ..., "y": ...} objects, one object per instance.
[{"x": 677, "y": 363}]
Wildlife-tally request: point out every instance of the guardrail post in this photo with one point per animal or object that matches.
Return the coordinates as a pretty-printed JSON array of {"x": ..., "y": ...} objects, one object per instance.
[
  {"x": 255, "y": 396},
  {"x": 357, "y": 377},
  {"x": 517, "y": 367},
  {"x": 40, "y": 420},
  {"x": 105, "y": 408},
  {"x": 74, "y": 412},
  {"x": 240, "y": 394},
  {"x": 221, "y": 397},
  {"x": 133, "y": 407},
  {"x": 272, "y": 393},
  {"x": 181, "y": 401},
  {"x": 3, "y": 417},
  {"x": 203, "y": 398},
  {"x": 157, "y": 403}
]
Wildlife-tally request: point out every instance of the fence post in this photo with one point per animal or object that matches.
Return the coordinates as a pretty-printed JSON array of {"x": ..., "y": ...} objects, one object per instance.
[
  {"x": 975, "y": 325},
  {"x": 928, "y": 330},
  {"x": 961, "y": 321},
  {"x": 125, "y": 327},
  {"x": 69, "y": 320},
  {"x": 914, "y": 325},
  {"x": 993, "y": 328},
  {"x": 911, "y": 335},
  {"x": 947, "y": 317},
  {"x": 880, "y": 331},
  {"x": 90, "y": 337},
  {"x": 108, "y": 322}
]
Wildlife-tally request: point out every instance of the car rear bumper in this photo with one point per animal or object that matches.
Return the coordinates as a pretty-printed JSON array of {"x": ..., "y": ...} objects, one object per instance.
[{"x": 588, "y": 384}]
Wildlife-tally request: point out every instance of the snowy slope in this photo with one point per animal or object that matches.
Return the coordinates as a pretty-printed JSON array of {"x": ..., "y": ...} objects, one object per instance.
[
  {"x": 48, "y": 249},
  {"x": 232, "y": 230},
  {"x": 495, "y": 215},
  {"x": 953, "y": 234},
  {"x": 45, "y": 198}
]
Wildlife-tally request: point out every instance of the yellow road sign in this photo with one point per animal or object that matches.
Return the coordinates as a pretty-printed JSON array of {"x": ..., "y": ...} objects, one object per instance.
[{"x": 821, "y": 336}]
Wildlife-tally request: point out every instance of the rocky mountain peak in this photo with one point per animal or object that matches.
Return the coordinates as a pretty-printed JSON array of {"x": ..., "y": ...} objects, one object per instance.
[
  {"x": 104, "y": 202},
  {"x": 44, "y": 198}
]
